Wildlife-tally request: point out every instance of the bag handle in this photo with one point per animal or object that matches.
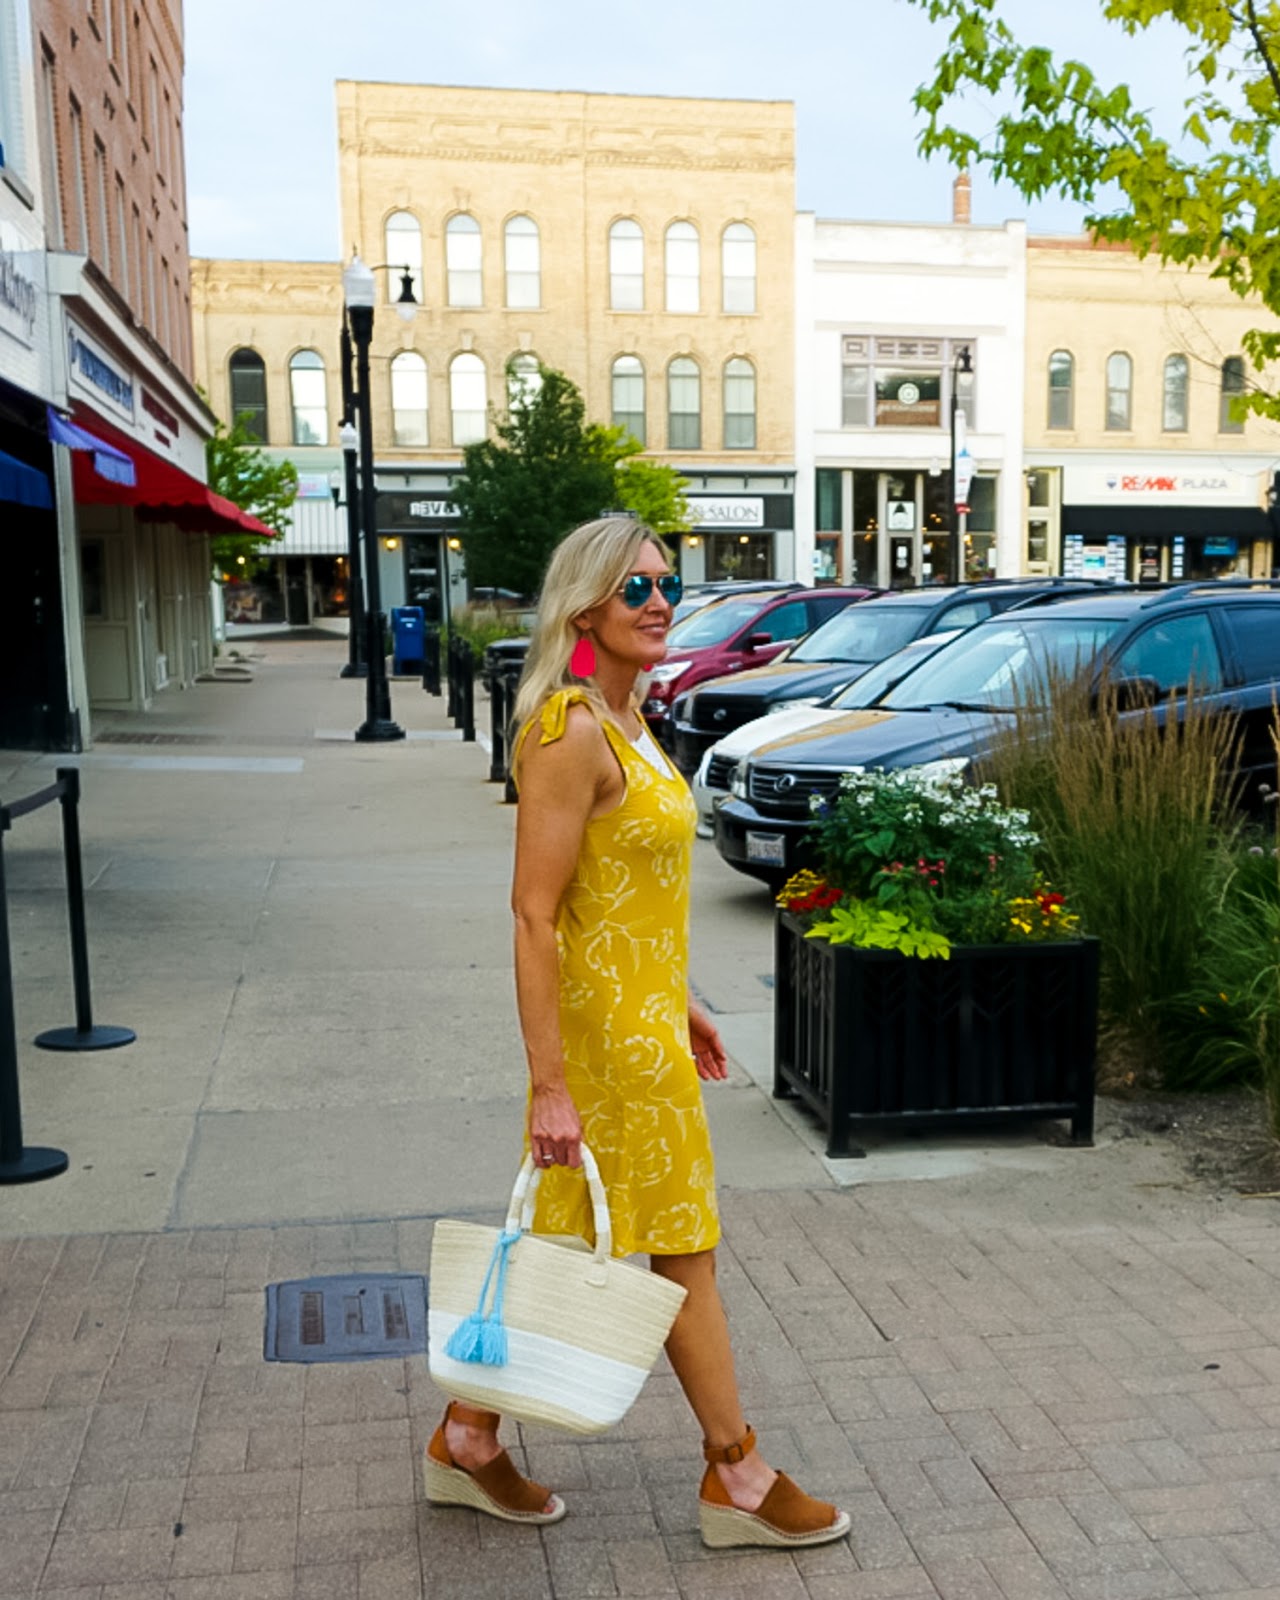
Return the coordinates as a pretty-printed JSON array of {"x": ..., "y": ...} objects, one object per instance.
[{"x": 524, "y": 1195}]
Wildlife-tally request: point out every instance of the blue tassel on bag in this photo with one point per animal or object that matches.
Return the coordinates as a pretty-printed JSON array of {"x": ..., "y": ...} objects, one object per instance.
[{"x": 479, "y": 1338}]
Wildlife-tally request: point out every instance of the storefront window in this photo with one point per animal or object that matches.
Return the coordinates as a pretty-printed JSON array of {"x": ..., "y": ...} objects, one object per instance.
[
  {"x": 740, "y": 555},
  {"x": 980, "y": 532},
  {"x": 827, "y": 499},
  {"x": 897, "y": 382}
]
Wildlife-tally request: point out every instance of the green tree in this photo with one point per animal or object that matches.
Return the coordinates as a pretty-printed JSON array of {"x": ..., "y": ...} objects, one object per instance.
[
  {"x": 547, "y": 470},
  {"x": 242, "y": 473},
  {"x": 1203, "y": 190}
]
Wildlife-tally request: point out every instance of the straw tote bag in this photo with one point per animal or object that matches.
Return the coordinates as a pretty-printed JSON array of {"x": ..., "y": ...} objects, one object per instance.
[{"x": 540, "y": 1328}]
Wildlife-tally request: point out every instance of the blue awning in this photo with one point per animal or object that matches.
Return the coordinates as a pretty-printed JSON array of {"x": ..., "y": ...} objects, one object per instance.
[
  {"x": 24, "y": 485},
  {"x": 108, "y": 462}
]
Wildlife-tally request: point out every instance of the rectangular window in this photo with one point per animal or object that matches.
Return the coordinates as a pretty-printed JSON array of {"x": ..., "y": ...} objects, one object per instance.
[
  {"x": 101, "y": 220},
  {"x": 152, "y": 129},
  {"x": 54, "y": 200},
  {"x": 122, "y": 236},
  {"x": 164, "y": 142},
  {"x": 165, "y": 331},
  {"x": 80, "y": 192},
  {"x": 827, "y": 499},
  {"x": 11, "y": 125},
  {"x": 153, "y": 321},
  {"x": 903, "y": 382},
  {"x": 135, "y": 293}
]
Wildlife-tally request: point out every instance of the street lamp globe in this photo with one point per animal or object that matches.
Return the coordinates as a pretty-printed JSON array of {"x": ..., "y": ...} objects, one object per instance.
[
  {"x": 357, "y": 284},
  {"x": 349, "y": 437}
]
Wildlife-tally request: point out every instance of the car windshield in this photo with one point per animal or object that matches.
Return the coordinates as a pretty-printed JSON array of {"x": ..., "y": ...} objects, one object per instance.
[
  {"x": 863, "y": 632},
  {"x": 867, "y": 689},
  {"x": 713, "y": 624},
  {"x": 1004, "y": 664}
]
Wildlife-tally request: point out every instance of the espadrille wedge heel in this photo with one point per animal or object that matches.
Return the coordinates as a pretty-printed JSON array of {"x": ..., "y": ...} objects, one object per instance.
[
  {"x": 786, "y": 1518},
  {"x": 496, "y": 1488}
]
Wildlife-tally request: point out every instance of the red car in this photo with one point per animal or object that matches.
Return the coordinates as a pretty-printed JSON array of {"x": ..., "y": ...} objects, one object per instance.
[{"x": 741, "y": 630}]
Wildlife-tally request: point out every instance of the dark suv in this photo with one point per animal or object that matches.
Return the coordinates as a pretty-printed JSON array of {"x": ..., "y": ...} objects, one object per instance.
[
  {"x": 840, "y": 650},
  {"x": 1224, "y": 636}
]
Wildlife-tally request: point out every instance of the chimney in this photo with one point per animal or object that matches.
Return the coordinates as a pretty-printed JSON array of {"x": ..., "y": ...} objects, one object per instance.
[{"x": 961, "y": 199}]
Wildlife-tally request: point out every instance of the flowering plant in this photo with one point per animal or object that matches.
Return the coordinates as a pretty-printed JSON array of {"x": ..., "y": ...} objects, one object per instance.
[{"x": 918, "y": 862}]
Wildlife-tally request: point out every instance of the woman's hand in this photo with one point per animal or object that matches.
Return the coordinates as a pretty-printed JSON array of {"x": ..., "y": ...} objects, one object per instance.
[
  {"x": 555, "y": 1129},
  {"x": 708, "y": 1050}
]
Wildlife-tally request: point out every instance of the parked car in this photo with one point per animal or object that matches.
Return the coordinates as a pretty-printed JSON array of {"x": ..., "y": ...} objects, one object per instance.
[
  {"x": 715, "y": 773},
  {"x": 697, "y": 595},
  {"x": 733, "y": 632},
  {"x": 1224, "y": 635},
  {"x": 837, "y": 652}
]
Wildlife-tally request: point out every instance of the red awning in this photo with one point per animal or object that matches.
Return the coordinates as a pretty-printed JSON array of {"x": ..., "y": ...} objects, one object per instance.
[{"x": 162, "y": 493}]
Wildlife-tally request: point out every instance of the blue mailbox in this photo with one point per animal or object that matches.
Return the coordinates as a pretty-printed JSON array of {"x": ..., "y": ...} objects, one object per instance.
[{"x": 407, "y": 631}]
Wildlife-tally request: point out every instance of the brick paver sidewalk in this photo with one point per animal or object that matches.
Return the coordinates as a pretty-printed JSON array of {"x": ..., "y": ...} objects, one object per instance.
[{"x": 1066, "y": 1407}]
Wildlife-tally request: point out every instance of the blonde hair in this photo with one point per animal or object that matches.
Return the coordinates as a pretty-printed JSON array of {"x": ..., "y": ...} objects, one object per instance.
[{"x": 586, "y": 567}]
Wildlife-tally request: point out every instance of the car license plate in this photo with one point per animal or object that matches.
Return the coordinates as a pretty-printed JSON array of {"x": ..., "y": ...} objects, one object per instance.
[{"x": 767, "y": 849}]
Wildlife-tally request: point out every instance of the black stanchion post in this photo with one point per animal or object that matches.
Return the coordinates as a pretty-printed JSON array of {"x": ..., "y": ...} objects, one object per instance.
[
  {"x": 18, "y": 1163},
  {"x": 497, "y": 726},
  {"x": 512, "y": 674},
  {"x": 431, "y": 660},
  {"x": 467, "y": 670},
  {"x": 84, "y": 1036},
  {"x": 451, "y": 666}
]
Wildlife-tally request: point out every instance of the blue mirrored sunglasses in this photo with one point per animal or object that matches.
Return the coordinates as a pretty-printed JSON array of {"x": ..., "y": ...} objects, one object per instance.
[{"x": 639, "y": 586}]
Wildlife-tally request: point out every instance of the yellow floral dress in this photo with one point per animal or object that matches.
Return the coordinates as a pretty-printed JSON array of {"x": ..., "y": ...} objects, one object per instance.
[{"x": 623, "y": 935}]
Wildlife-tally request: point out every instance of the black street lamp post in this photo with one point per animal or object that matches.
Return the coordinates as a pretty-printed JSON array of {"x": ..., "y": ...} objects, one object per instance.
[
  {"x": 358, "y": 293},
  {"x": 350, "y": 439},
  {"x": 959, "y": 491}
]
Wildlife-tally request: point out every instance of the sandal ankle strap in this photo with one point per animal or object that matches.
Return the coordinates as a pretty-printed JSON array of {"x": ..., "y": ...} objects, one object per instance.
[
  {"x": 469, "y": 1417},
  {"x": 728, "y": 1454}
]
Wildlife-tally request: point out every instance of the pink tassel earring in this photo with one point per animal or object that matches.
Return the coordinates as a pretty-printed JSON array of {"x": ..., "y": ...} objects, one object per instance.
[{"x": 582, "y": 663}]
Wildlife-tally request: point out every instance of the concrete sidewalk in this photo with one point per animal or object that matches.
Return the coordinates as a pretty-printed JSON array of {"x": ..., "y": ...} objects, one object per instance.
[{"x": 1046, "y": 1372}]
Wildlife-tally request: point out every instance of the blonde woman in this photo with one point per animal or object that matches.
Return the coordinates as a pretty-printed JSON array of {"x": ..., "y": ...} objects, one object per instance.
[{"x": 615, "y": 1047}]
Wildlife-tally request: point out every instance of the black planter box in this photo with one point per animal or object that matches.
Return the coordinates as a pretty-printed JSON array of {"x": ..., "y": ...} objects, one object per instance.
[{"x": 868, "y": 1037}]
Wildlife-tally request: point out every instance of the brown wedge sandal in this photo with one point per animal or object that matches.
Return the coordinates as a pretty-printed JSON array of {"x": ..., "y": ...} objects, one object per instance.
[
  {"x": 786, "y": 1517},
  {"x": 496, "y": 1488}
]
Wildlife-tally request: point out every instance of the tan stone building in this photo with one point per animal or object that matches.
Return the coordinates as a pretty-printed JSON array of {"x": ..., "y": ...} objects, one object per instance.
[
  {"x": 642, "y": 245},
  {"x": 1138, "y": 463}
]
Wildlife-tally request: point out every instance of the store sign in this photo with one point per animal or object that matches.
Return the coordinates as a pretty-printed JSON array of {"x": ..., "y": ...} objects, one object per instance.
[
  {"x": 314, "y": 486},
  {"x": 727, "y": 511},
  {"x": 432, "y": 510},
  {"x": 1160, "y": 484},
  {"x": 19, "y": 300},
  {"x": 94, "y": 372}
]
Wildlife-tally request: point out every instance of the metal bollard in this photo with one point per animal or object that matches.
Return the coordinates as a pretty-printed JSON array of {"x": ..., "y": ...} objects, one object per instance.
[
  {"x": 467, "y": 691},
  {"x": 84, "y": 1036},
  {"x": 498, "y": 715},
  {"x": 431, "y": 660},
  {"x": 512, "y": 673},
  {"x": 451, "y": 669}
]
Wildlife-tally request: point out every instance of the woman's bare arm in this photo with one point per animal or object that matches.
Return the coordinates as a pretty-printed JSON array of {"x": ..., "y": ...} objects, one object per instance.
[{"x": 561, "y": 785}]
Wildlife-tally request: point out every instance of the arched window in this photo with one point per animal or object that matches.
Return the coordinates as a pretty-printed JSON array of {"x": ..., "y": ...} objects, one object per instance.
[
  {"x": 467, "y": 398},
  {"x": 684, "y": 267},
  {"x": 310, "y": 401},
  {"x": 626, "y": 266},
  {"x": 523, "y": 263},
  {"x": 738, "y": 267},
  {"x": 462, "y": 257},
  {"x": 1232, "y": 384},
  {"x": 628, "y": 396},
  {"x": 404, "y": 249},
  {"x": 1062, "y": 389},
  {"x": 1177, "y": 373},
  {"x": 248, "y": 375},
  {"x": 684, "y": 405},
  {"x": 409, "y": 399},
  {"x": 524, "y": 379},
  {"x": 1119, "y": 392},
  {"x": 739, "y": 404}
]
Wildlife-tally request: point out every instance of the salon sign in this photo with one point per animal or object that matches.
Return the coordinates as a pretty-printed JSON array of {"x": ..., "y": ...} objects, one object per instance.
[{"x": 726, "y": 511}]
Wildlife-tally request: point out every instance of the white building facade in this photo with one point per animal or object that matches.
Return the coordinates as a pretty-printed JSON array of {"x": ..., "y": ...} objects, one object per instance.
[{"x": 910, "y": 346}]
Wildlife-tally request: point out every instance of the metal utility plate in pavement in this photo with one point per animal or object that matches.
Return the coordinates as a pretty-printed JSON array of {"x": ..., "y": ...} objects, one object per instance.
[{"x": 362, "y": 1316}]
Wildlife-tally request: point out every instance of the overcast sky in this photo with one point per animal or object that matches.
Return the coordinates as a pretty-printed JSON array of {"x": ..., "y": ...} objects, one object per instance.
[{"x": 260, "y": 123}]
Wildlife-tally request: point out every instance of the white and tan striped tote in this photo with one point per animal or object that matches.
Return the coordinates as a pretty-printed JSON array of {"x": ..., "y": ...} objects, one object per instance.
[{"x": 544, "y": 1329}]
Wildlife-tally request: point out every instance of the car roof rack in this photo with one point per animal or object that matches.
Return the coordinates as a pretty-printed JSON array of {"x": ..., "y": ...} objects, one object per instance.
[{"x": 1182, "y": 591}]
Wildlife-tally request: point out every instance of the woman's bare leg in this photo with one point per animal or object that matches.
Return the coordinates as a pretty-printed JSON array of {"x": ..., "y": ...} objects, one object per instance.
[{"x": 699, "y": 1350}]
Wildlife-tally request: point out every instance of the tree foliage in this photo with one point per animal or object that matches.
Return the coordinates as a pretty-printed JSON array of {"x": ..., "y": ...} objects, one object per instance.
[
  {"x": 1204, "y": 191},
  {"x": 246, "y": 475},
  {"x": 547, "y": 470}
]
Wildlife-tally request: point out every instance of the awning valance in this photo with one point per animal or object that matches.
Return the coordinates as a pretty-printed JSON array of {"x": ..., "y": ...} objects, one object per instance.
[
  {"x": 162, "y": 492},
  {"x": 23, "y": 485},
  {"x": 108, "y": 462}
]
